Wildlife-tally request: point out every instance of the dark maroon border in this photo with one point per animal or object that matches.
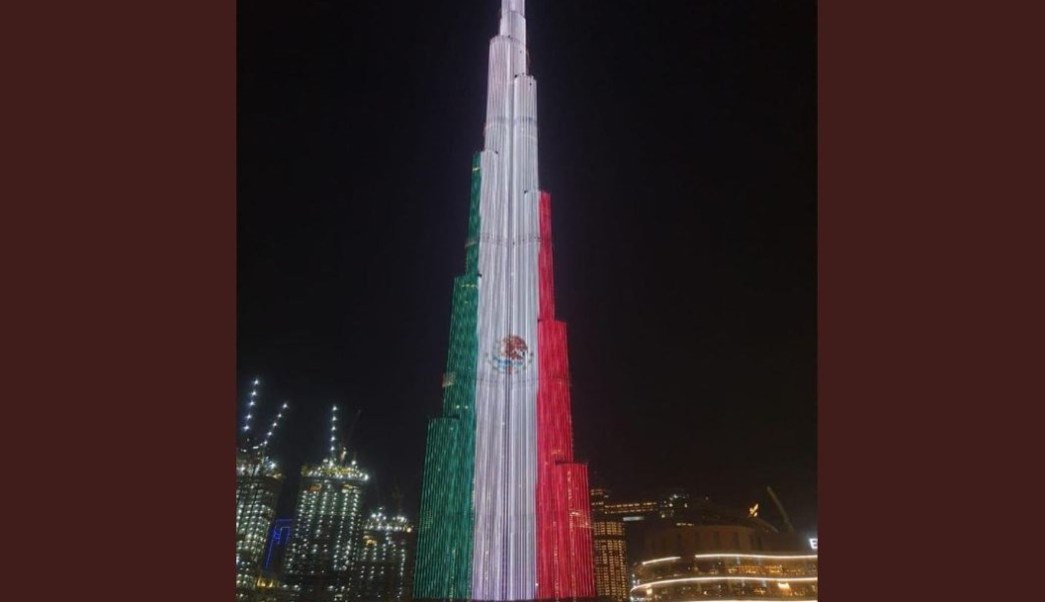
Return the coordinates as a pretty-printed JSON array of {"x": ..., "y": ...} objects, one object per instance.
[
  {"x": 118, "y": 235},
  {"x": 924, "y": 299}
]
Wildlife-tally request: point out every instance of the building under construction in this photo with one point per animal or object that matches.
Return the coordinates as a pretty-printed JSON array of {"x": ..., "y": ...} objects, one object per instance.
[
  {"x": 385, "y": 561},
  {"x": 258, "y": 484},
  {"x": 327, "y": 527}
]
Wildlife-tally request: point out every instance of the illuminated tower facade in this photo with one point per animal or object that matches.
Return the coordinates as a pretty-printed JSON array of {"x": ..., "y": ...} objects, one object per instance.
[
  {"x": 505, "y": 512},
  {"x": 327, "y": 525}
]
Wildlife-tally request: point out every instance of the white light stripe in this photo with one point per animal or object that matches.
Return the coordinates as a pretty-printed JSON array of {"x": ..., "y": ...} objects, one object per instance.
[
  {"x": 724, "y": 578},
  {"x": 661, "y": 560},
  {"x": 761, "y": 556},
  {"x": 504, "y": 556}
]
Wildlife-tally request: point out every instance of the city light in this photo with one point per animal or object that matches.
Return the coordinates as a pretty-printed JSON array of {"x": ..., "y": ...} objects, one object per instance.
[
  {"x": 758, "y": 556},
  {"x": 660, "y": 560},
  {"x": 653, "y": 584}
]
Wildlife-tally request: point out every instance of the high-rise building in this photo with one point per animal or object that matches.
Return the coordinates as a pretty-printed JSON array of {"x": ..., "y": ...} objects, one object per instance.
[
  {"x": 505, "y": 512},
  {"x": 327, "y": 525},
  {"x": 611, "y": 560},
  {"x": 258, "y": 484},
  {"x": 384, "y": 564}
]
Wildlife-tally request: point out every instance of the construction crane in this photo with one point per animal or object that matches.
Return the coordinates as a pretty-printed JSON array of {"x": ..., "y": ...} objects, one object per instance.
[{"x": 780, "y": 507}]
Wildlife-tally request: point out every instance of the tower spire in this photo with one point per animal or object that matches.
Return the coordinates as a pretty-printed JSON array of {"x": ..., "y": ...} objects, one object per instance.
[
  {"x": 513, "y": 19},
  {"x": 518, "y": 6}
]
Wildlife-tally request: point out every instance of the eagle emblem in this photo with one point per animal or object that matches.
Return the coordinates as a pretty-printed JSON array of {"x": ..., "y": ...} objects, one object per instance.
[{"x": 513, "y": 355}]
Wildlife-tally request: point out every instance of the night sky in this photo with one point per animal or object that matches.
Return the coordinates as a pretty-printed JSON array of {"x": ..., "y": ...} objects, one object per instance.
[{"x": 678, "y": 141}]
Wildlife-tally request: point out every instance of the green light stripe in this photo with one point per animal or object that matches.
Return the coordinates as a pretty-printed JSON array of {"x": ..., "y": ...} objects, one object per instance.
[{"x": 444, "y": 546}]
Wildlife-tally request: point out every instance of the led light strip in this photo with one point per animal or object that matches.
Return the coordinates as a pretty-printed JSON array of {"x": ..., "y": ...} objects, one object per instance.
[
  {"x": 251, "y": 402},
  {"x": 444, "y": 548},
  {"x": 661, "y": 560},
  {"x": 724, "y": 578},
  {"x": 760, "y": 556},
  {"x": 275, "y": 423}
]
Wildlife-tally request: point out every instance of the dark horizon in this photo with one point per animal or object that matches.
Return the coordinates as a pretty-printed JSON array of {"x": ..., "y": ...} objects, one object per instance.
[{"x": 679, "y": 145}]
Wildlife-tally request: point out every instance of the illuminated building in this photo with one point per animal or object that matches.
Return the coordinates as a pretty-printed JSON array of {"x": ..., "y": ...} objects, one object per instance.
[
  {"x": 726, "y": 576},
  {"x": 701, "y": 526},
  {"x": 630, "y": 511},
  {"x": 258, "y": 484},
  {"x": 693, "y": 549},
  {"x": 504, "y": 511},
  {"x": 611, "y": 561},
  {"x": 327, "y": 526},
  {"x": 646, "y": 523},
  {"x": 666, "y": 507},
  {"x": 384, "y": 563}
]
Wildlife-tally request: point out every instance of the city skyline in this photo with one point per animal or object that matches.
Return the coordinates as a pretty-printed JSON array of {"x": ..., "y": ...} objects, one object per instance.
[{"x": 714, "y": 394}]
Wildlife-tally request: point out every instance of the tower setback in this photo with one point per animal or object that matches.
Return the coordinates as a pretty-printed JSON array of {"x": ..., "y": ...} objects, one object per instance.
[{"x": 505, "y": 512}]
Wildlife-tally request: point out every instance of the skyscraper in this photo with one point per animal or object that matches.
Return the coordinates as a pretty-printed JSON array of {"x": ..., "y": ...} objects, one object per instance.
[
  {"x": 611, "y": 559},
  {"x": 327, "y": 525},
  {"x": 383, "y": 566},
  {"x": 505, "y": 512},
  {"x": 258, "y": 484}
]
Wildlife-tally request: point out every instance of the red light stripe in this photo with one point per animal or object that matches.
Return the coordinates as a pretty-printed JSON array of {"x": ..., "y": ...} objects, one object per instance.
[{"x": 564, "y": 546}]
